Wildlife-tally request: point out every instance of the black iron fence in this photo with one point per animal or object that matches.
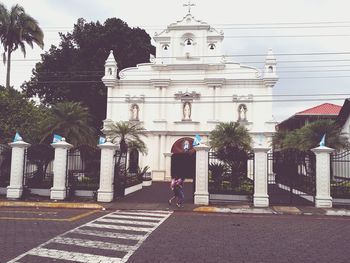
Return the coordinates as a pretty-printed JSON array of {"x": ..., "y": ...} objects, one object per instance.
[
  {"x": 340, "y": 174},
  {"x": 235, "y": 177},
  {"x": 38, "y": 166},
  {"x": 5, "y": 165},
  {"x": 123, "y": 178},
  {"x": 83, "y": 168},
  {"x": 291, "y": 176}
]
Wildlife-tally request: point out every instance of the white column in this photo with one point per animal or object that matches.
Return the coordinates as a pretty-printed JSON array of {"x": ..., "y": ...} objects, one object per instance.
[
  {"x": 213, "y": 94},
  {"x": 261, "y": 198},
  {"x": 15, "y": 189},
  {"x": 168, "y": 166},
  {"x": 323, "y": 197},
  {"x": 58, "y": 191},
  {"x": 109, "y": 103},
  {"x": 201, "y": 194},
  {"x": 106, "y": 191},
  {"x": 217, "y": 104},
  {"x": 158, "y": 91},
  {"x": 161, "y": 153},
  {"x": 163, "y": 108}
]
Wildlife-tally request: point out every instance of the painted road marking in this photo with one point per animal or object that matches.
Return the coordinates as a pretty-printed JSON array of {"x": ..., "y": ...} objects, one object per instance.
[
  {"x": 75, "y": 256},
  {"x": 140, "y": 218},
  {"x": 70, "y": 219},
  {"x": 91, "y": 244},
  {"x": 128, "y": 222},
  {"x": 115, "y": 227},
  {"x": 107, "y": 234},
  {"x": 99, "y": 247}
]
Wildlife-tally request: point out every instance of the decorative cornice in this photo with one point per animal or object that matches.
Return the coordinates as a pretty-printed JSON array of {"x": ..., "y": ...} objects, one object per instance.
[
  {"x": 187, "y": 96},
  {"x": 214, "y": 82},
  {"x": 160, "y": 82},
  {"x": 135, "y": 99}
]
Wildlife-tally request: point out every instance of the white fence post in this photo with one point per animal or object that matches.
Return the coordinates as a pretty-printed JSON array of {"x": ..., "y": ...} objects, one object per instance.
[
  {"x": 106, "y": 191},
  {"x": 59, "y": 191},
  {"x": 261, "y": 197},
  {"x": 15, "y": 189},
  {"x": 201, "y": 194},
  {"x": 323, "y": 197}
]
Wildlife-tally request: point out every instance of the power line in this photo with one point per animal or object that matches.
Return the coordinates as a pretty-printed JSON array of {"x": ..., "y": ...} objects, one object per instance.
[{"x": 232, "y": 101}]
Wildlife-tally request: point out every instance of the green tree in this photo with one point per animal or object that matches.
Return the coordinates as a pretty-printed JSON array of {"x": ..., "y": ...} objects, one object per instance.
[
  {"x": 232, "y": 143},
  {"x": 73, "y": 70},
  {"x": 127, "y": 135},
  {"x": 70, "y": 120},
  {"x": 310, "y": 135},
  {"x": 17, "y": 114},
  {"x": 16, "y": 29}
]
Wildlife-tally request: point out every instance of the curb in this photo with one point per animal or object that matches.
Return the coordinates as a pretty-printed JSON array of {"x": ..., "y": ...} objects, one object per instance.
[
  {"x": 50, "y": 205},
  {"x": 211, "y": 209}
]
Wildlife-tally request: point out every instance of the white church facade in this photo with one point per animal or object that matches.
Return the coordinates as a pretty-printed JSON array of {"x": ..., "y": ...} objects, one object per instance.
[{"x": 187, "y": 89}]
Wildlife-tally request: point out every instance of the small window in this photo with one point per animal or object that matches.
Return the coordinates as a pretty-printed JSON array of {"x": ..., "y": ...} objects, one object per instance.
[
  {"x": 270, "y": 69},
  {"x": 166, "y": 47},
  {"x": 211, "y": 46},
  {"x": 188, "y": 42}
]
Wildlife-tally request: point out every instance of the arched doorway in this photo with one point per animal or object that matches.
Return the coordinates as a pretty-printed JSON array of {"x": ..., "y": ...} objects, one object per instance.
[
  {"x": 183, "y": 164},
  {"x": 183, "y": 159}
]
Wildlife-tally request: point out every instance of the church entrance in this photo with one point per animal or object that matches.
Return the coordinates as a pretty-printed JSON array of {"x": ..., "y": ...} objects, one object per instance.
[
  {"x": 183, "y": 165},
  {"x": 183, "y": 159}
]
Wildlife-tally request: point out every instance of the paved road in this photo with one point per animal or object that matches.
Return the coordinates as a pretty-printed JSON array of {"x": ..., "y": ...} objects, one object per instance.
[
  {"x": 162, "y": 236},
  {"x": 190, "y": 237},
  {"x": 24, "y": 228}
]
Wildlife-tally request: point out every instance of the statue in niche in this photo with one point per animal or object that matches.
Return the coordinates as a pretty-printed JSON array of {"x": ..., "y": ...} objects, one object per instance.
[
  {"x": 242, "y": 113},
  {"x": 134, "y": 112},
  {"x": 110, "y": 71},
  {"x": 187, "y": 111}
]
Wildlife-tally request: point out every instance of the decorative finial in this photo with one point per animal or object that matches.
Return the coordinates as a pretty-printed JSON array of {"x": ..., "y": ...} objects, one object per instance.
[{"x": 189, "y": 5}]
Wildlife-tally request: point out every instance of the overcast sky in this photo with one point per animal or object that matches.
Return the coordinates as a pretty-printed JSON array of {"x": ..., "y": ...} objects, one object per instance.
[{"x": 251, "y": 27}]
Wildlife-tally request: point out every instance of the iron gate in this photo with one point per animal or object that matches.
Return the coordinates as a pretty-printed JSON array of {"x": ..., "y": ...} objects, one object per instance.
[
  {"x": 120, "y": 174},
  {"x": 340, "y": 174},
  {"x": 83, "y": 169},
  {"x": 234, "y": 179},
  {"x": 38, "y": 166},
  {"x": 291, "y": 177},
  {"x": 5, "y": 165}
]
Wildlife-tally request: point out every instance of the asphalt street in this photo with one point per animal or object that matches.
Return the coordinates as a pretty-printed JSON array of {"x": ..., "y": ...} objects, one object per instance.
[{"x": 71, "y": 235}]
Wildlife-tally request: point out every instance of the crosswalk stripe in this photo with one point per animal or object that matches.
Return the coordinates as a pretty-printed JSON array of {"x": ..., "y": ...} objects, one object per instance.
[
  {"x": 92, "y": 244},
  {"x": 76, "y": 256},
  {"x": 106, "y": 234},
  {"x": 114, "y": 227},
  {"x": 142, "y": 222},
  {"x": 141, "y": 218},
  {"x": 151, "y": 215},
  {"x": 129, "y": 222}
]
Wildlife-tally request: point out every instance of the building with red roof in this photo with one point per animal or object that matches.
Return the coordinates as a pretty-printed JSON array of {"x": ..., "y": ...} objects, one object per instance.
[{"x": 324, "y": 111}]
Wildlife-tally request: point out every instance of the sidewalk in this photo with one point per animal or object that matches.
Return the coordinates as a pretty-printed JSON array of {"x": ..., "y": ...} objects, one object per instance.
[{"x": 156, "y": 197}]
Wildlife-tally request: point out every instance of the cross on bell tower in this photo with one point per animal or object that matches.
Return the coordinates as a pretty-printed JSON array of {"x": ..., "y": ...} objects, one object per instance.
[{"x": 189, "y": 5}]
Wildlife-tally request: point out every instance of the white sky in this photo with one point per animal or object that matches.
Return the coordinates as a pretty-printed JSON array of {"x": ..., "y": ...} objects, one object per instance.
[{"x": 60, "y": 15}]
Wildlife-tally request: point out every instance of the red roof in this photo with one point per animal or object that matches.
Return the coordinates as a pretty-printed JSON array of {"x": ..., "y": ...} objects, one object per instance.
[{"x": 323, "y": 109}]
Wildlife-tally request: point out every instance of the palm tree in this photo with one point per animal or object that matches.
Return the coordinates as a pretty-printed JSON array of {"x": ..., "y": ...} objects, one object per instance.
[
  {"x": 72, "y": 121},
  {"x": 309, "y": 136},
  {"x": 232, "y": 142},
  {"x": 16, "y": 29},
  {"x": 128, "y": 135}
]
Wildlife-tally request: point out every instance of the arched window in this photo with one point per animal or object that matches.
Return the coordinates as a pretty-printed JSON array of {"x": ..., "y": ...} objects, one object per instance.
[{"x": 270, "y": 69}]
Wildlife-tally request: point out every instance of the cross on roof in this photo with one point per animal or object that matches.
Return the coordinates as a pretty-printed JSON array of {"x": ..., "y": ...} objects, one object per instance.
[{"x": 189, "y": 5}]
